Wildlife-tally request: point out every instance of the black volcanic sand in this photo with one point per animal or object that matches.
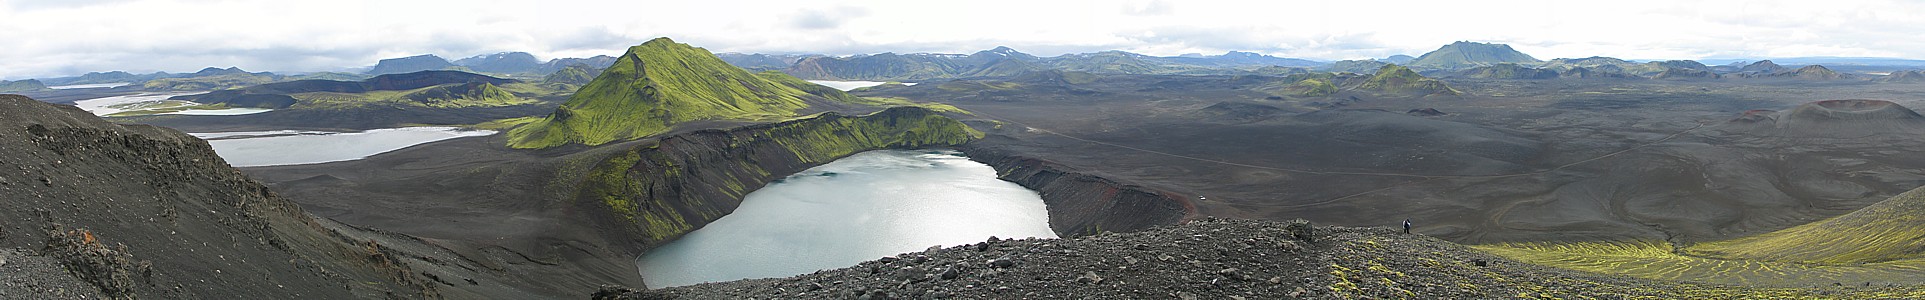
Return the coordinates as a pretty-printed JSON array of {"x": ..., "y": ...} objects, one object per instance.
[
  {"x": 1212, "y": 259},
  {"x": 1513, "y": 160},
  {"x": 142, "y": 211}
]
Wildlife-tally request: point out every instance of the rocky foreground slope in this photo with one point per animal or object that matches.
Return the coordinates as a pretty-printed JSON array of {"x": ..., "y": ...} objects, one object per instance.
[
  {"x": 1219, "y": 259},
  {"x": 91, "y": 209}
]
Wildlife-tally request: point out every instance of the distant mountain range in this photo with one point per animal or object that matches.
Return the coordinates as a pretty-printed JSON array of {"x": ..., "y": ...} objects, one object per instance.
[
  {"x": 504, "y": 63},
  {"x": 1463, "y": 55},
  {"x": 1004, "y": 61},
  {"x": 1462, "y": 59}
]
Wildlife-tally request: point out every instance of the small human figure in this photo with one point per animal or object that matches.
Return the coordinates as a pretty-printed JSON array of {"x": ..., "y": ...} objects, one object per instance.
[{"x": 1406, "y": 226}]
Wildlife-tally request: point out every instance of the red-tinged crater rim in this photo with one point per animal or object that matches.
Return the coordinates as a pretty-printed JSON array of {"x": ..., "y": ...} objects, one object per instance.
[{"x": 1853, "y": 105}]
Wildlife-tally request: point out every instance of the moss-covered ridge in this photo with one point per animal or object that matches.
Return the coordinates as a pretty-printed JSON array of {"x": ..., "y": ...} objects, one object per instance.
[
  {"x": 655, "y": 192},
  {"x": 1395, "y": 79},
  {"x": 1890, "y": 230},
  {"x": 655, "y": 86}
]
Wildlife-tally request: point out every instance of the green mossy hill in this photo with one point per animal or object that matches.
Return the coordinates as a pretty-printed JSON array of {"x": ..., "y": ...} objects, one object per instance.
[
  {"x": 28, "y": 85},
  {"x": 463, "y": 95},
  {"x": 1509, "y": 71},
  {"x": 661, "y": 190},
  {"x": 655, "y": 86},
  {"x": 1355, "y": 66},
  {"x": 573, "y": 74},
  {"x": 207, "y": 83},
  {"x": 1312, "y": 88},
  {"x": 1395, "y": 79},
  {"x": 1461, "y": 55},
  {"x": 1890, "y": 230},
  {"x": 1303, "y": 85}
]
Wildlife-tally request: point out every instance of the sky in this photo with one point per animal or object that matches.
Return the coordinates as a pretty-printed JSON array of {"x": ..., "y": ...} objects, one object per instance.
[{"x": 50, "y": 38}]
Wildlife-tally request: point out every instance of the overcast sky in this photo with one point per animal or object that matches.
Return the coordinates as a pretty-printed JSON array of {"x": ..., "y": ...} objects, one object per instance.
[{"x": 46, "y": 38}]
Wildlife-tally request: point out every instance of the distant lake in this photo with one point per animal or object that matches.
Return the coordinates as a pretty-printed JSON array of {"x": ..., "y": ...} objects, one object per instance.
[
  {"x": 149, "y": 101},
  {"x": 851, "y": 85},
  {"x": 287, "y": 147},
  {"x": 89, "y": 86},
  {"x": 855, "y": 209}
]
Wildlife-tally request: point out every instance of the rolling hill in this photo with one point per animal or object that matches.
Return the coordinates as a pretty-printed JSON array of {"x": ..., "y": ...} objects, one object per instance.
[{"x": 21, "y": 86}]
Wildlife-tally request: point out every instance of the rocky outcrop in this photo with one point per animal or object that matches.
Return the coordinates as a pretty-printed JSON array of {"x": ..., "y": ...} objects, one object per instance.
[
  {"x": 1081, "y": 203},
  {"x": 141, "y": 211}
]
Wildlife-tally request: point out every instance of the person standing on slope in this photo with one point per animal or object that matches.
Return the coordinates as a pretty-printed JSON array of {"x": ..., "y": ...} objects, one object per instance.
[{"x": 1406, "y": 226}]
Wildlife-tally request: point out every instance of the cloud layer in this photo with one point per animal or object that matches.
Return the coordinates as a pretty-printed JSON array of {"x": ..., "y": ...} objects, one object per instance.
[{"x": 68, "y": 37}]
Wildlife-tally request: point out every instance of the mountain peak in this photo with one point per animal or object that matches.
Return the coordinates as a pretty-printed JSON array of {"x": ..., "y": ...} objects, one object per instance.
[
  {"x": 1465, "y": 54},
  {"x": 1763, "y": 67},
  {"x": 658, "y": 85}
]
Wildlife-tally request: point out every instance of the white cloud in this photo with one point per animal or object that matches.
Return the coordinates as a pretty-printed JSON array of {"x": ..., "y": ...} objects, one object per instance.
[{"x": 67, "y": 37}]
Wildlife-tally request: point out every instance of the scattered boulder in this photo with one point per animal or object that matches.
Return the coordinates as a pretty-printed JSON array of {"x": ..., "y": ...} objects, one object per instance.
[
  {"x": 1425, "y": 112},
  {"x": 1300, "y": 229}
]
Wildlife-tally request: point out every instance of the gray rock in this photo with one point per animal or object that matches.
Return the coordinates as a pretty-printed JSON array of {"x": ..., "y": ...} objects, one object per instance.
[{"x": 1002, "y": 262}]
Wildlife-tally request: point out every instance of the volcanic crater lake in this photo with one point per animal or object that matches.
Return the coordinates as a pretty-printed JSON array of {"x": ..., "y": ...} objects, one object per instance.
[{"x": 859, "y": 208}]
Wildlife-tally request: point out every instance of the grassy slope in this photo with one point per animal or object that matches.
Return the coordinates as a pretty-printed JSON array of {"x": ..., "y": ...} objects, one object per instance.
[
  {"x": 1884, "y": 242},
  {"x": 1654, "y": 260},
  {"x": 569, "y": 75},
  {"x": 653, "y": 87},
  {"x": 1890, "y": 230}
]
